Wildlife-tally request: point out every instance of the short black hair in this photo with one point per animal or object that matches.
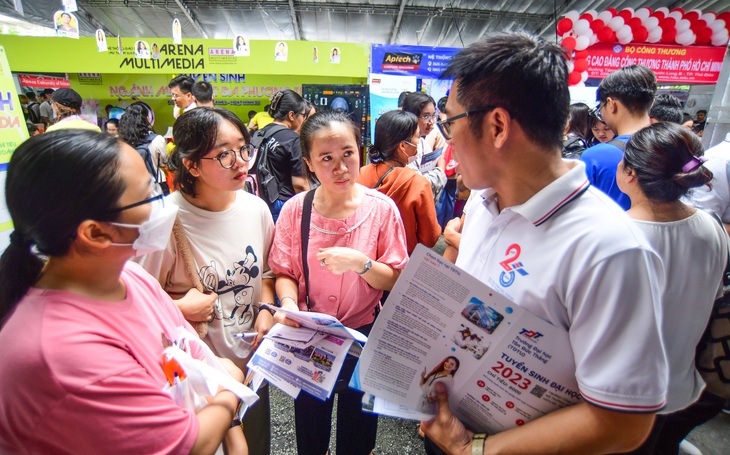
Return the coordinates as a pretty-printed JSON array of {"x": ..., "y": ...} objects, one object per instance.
[
  {"x": 634, "y": 86},
  {"x": 416, "y": 101},
  {"x": 185, "y": 83},
  {"x": 666, "y": 108},
  {"x": 521, "y": 73},
  {"x": 31, "y": 96},
  {"x": 203, "y": 91},
  {"x": 703, "y": 111},
  {"x": 392, "y": 128}
]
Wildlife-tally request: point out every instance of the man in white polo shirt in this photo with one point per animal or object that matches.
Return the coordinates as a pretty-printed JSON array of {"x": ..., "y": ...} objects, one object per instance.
[{"x": 541, "y": 235}]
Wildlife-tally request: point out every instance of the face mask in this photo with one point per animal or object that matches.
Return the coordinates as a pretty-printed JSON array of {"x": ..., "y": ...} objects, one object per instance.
[
  {"x": 154, "y": 234},
  {"x": 411, "y": 158}
]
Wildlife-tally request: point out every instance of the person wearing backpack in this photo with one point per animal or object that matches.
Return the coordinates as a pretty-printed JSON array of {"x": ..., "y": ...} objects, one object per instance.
[
  {"x": 34, "y": 108},
  {"x": 279, "y": 173},
  {"x": 135, "y": 130}
]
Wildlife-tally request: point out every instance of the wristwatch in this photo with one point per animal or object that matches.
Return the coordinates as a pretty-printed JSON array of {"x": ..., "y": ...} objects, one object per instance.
[
  {"x": 368, "y": 266},
  {"x": 477, "y": 444}
]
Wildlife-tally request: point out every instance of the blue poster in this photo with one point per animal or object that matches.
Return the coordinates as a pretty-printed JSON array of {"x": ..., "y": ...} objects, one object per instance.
[{"x": 421, "y": 61}]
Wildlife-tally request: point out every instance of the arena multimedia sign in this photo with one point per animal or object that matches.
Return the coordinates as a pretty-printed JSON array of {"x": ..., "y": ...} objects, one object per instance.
[{"x": 176, "y": 57}]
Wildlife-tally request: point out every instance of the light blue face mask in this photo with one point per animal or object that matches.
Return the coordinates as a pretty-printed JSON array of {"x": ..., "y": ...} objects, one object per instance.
[{"x": 154, "y": 234}]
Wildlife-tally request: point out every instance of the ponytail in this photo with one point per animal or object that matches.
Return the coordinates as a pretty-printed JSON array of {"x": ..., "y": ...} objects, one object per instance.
[{"x": 19, "y": 270}]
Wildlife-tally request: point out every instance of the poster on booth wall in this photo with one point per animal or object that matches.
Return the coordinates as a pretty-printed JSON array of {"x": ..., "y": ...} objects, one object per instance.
[
  {"x": 12, "y": 133},
  {"x": 347, "y": 98},
  {"x": 66, "y": 24},
  {"x": 384, "y": 93},
  {"x": 101, "y": 45}
]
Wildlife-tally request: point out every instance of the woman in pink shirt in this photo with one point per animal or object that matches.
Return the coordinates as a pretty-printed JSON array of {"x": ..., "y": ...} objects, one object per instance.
[
  {"x": 356, "y": 250},
  {"x": 84, "y": 328}
]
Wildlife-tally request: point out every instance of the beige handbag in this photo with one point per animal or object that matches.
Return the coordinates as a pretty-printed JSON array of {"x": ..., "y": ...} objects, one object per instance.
[{"x": 183, "y": 245}]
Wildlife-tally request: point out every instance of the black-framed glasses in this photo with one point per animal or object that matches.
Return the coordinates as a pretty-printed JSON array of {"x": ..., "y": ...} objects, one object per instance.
[
  {"x": 596, "y": 111},
  {"x": 445, "y": 124},
  {"x": 227, "y": 158},
  {"x": 158, "y": 193}
]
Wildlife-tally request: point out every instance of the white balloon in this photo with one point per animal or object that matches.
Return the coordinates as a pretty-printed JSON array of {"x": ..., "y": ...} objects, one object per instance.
[
  {"x": 580, "y": 84},
  {"x": 583, "y": 76},
  {"x": 719, "y": 41},
  {"x": 593, "y": 13},
  {"x": 683, "y": 26},
  {"x": 642, "y": 13},
  {"x": 616, "y": 23},
  {"x": 708, "y": 17},
  {"x": 630, "y": 9},
  {"x": 655, "y": 35},
  {"x": 663, "y": 9},
  {"x": 651, "y": 23},
  {"x": 605, "y": 16},
  {"x": 720, "y": 35},
  {"x": 573, "y": 16},
  {"x": 686, "y": 38},
  {"x": 571, "y": 67},
  {"x": 676, "y": 15},
  {"x": 717, "y": 25},
  {"x": 626, "y": 39},
  {"x": 593, "y": 39},
  {"x": 623, "y": 32},
  {"x": 582, "y": 27},
  {"x": 582, "y": 42}
]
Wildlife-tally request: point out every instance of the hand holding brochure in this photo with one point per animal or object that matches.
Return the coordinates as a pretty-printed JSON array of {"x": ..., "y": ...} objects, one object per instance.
[
  {"x": 502, "y": 365},
  {"x": 309, "y": 357}
]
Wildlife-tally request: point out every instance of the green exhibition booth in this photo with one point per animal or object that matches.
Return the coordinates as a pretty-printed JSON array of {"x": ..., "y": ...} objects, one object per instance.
[{"x": 240, "y": 83}]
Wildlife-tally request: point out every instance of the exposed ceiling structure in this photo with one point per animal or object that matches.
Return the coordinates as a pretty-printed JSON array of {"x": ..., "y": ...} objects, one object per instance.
[{"x": 449, "y": 23}]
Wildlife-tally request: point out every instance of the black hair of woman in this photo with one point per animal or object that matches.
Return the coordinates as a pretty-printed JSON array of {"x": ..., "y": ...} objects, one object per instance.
[
  {"x": 579, "y": 122},
  {"x": 391, "y": 129},
  {"x": 54, "y": 182},
  {"x": 320, "y": 121},
  {"x": 667, "y": 160},
  {"x": 440, "y": 367},
  {"x": 134, "y": 125},
  {"x": 196, "y": 133},
  {"x": 416, "y": 101},
  {"x": 285, "y": 101}
]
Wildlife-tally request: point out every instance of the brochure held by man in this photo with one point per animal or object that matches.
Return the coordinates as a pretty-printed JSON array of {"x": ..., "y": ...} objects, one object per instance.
[{"x": 502, "y": 365}]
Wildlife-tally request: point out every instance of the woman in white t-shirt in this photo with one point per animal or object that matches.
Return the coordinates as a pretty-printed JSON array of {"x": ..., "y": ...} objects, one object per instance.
[
  {"x": 661, "y": 163},
  {"x": 230, "y": 233}
]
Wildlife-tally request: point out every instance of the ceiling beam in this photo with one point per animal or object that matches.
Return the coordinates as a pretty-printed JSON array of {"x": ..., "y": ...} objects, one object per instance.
[
  {"x": 394, "y": 33},
  {"x": 191, "y": 17},
  {"x": 295, "y": 23}
]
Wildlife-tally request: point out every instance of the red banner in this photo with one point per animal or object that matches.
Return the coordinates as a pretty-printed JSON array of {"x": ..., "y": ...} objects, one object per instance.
[
  {"x": 30, "y": 80},
  {"x": 671, "y": 64}
]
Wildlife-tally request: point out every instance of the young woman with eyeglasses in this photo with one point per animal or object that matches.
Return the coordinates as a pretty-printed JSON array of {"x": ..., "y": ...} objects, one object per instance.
[
  {"x": 83, "y": 328},
  {"x": 396, "y": 136},
  {"x": 356, "y": 250},
  {"x": 230, "y": 234},
  {"x": 283, "y": 153}
]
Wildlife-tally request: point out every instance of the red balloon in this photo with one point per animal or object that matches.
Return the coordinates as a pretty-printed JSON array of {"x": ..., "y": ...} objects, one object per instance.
[
  {"x": 681, "y": 10},
  {"x": 612, "y": 11},
  {"x": 634, "y": 22},
  {"x": 574, "y": 78},
  {"x": 606, "y": 35},
  {"x": 640, "y": 34},
  {"x": 581, "y": 54},
  {"x": 668, "y": 35},
  {"x": 697, "y": 26},
  {"x": 580, "y": 65},
  {"x": 569, "y": 43},
  {"x": 704, "y": 37},
  {"x": 586, "y": 16},
  {"x": 597, "y": 26},
  {"x": 668, "y": 22},
  {"x": 564, "y": 25},
  {"x": 626, "y": 14},
  {"x": 726, "y": 17},
  {"x": 692, "y": 16},
  {"x": 659, "y": 15}
]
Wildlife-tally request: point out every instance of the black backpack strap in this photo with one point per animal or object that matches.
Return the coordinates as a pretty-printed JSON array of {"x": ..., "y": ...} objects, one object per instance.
[
  {"x": 380, "y": 180},
  {"x": 306, "y": 220},
  {"x": 619, "y": 144}
]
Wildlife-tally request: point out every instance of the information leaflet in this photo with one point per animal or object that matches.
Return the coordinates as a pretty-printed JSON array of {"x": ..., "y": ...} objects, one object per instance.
[{"x": 502, "y": 365}]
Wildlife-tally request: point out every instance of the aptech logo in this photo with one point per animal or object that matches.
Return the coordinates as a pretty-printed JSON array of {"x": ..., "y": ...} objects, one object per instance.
[
  {"x": 511, "y": 265},
  {"x": 401, "y": 61}
]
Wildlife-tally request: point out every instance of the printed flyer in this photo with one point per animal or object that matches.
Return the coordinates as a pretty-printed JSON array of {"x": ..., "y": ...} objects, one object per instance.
[
  {"x": 502, "y": 365},
  {"x": 306, "y": 358}
]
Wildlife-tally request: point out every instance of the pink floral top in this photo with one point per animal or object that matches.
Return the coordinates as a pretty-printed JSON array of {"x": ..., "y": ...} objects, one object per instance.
[{"x": 375, "y": 228}]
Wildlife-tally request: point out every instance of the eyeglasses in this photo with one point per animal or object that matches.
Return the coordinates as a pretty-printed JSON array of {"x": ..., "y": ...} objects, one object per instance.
[
  {"x": 158, "y": 192},
  {"x": 445, "y": 125},
  {"x": 429, "y": 118},
  {"x": 411, "y": 144},
  {"x": 227, "y": 158},
  {"x": 596, "y": 111},
  {"x": 176, "y": 96}
]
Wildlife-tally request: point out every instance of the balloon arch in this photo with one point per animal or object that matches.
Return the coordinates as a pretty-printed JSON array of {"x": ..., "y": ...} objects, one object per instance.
[{"x": 676, "y": 27}]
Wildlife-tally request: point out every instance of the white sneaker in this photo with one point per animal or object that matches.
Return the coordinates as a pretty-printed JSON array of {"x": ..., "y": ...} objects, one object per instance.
[{"x": 687, "y": 448}]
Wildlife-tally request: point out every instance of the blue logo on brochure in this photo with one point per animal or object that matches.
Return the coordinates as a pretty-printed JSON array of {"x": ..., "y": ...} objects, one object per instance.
[{"x": 511, "y": 265}]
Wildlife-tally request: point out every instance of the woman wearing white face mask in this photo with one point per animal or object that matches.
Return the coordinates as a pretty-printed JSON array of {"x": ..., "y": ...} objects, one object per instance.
[
  {"x": 396, "y": 136},
  {"x": 85, "y": 325}
]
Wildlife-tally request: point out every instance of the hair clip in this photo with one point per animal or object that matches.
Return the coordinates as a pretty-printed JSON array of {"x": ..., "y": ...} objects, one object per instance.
[
  {"x": 275, "y": 100},
  {"x": 693, "y": 163}
]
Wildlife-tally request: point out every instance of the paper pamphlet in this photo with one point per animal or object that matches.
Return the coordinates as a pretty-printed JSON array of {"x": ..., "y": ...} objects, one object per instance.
[
  {"x": 502, "y": 365},
  {"x": 306, "y": 358}
]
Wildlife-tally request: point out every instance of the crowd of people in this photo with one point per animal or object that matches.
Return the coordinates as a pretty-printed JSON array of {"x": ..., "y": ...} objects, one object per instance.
[{"x": 613, "y": 209}]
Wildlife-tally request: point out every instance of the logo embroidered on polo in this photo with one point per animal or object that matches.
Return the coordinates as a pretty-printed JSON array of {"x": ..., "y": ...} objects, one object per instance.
[{"x": 511, "y": 265}]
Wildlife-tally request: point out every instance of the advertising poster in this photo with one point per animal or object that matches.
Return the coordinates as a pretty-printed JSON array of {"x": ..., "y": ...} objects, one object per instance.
[
  {"x": 350, "y": 99},
  {"x": 12, "y": 132},
  {"x": 421, "y": 61},
  {"x": 384, "y": 92}
]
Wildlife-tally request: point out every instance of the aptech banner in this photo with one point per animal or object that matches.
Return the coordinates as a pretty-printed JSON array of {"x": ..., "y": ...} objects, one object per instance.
[
  {"x": 200, "y": 56},
  {"x": 671, "y": 64},
  {"x": 419, "y": 61}
]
